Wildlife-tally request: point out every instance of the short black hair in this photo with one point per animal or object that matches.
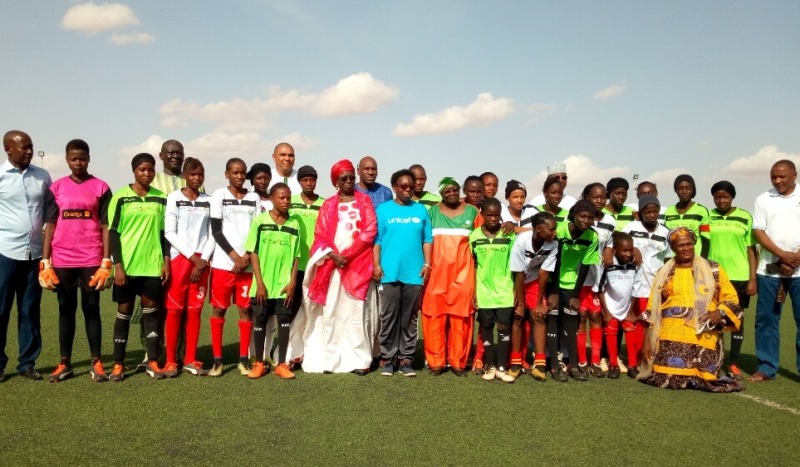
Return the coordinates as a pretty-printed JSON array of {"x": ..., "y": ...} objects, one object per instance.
[
  {"x": 550, "y": 181},
  {"x": 490, "y": 203},
  {"x": 587, "y": 190},
  {"x": 191, "y": 163},
  {"x": 141, "y": 158},
  {"x": 542, "y": 217},
  {"x": 78, "y": 144},
  {"x": 619, "y": 237},
  {"x": 277, "y": 187},
  {"x": 472, "y": 178},
  {"x": 401, "y": 173},
  {"x": 234, "y": 160}
]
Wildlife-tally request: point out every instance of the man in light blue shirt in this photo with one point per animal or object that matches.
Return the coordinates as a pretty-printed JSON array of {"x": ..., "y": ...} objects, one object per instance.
[
  {"x": 367, "y": 173},
  {"x": 22, "y": 190}
]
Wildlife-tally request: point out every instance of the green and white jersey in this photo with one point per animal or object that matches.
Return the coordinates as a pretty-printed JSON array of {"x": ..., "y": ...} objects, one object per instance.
[
  {"x": 277, "y": 246},
  {"x": 695, "y": 218},
  {"x": 621, "y": 219},
  {"x": 731, "y": 235},
  {"x": 307, "y": 215},
  {"x": 139, "y": 221},
  {"x": 561, "y": 217},
  {"x": 429, "y": 200},
  {"x": 494, "y": 285},
  {"x": 573, "y": 253}
]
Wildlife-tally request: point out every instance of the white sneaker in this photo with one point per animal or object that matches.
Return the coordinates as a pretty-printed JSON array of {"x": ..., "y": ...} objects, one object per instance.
[
  {"x": 622, "y": 367},
  {"x": 244, "y": 369},
  {"x": 216, "y": 369},
  {"x": 503, "y": 376},
  {"x": 489, "y": 374},
  {"x": 604, "y": 365}
]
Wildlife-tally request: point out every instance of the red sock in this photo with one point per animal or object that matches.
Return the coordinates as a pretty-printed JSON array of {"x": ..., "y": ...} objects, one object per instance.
[
  {"x": 192, "y": 335},
  {"x": 611, "y": 330},
  {"x": 171, "y": 328},
  {"x": 245, "y": 329},
  {"x": 217, "y": 324},
  {"x": 526, "y": 338},
  {"x": 479, "y": 350},
  {"x": 596, "y": 338},
  {"x": 514, "y": 358},
  {"x": 539, "y": 359},
  {"x": 582, "y": 346},
  {"x": 634, "y": 339}
]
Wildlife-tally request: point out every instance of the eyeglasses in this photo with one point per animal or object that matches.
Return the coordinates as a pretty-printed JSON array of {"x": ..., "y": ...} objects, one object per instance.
[
  {"x": 404, "y": 187},
  {"x": 347, "y": 178},
  {"x": 560, "y": 177}
]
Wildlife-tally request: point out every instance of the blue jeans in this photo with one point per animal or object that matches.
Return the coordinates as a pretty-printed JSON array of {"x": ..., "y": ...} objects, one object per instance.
[
  {"x": 20, "y": 279},
  {"x": 768, "y": 318}
]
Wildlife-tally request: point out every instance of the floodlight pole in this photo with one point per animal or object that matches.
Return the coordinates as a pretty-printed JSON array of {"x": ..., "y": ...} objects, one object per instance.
[{"x": 41, "y": 158}]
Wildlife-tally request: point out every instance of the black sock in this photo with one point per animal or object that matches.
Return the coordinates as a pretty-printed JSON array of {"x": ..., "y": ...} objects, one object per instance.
[
  {"x": 487, "y": 336},
  {"x": 736, "y": 343},
  {"x": 503, "y": 345},
  {"x": 121, "y": 327},
  {"x": 152, "y": 337},
  {"x": 283, "y": 337},
  {"x": 90, "y": 302},
  {"x": 570, "y": 323},
  {"x": 259, "y": 333},
  {"x": 552, "y": 340},
  {"x": 67, "y": 305}
]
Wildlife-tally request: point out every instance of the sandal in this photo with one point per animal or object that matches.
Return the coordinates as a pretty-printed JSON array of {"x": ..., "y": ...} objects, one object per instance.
[{"x": 759, "y": 377}]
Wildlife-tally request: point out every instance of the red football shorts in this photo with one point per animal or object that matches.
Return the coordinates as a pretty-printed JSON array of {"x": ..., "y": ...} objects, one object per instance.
[
  {"x": 181, "y": 292},
  {"x": 590, "y": 301},
  {"x": 226, "y": 284}
]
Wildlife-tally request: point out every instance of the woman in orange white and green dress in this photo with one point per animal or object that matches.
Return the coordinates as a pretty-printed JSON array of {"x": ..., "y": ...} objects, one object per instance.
[{"x": 447, "y": 312}]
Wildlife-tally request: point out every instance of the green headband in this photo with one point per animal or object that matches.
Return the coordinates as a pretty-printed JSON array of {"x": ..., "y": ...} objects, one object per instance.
[{"x": 446, "y": 182}]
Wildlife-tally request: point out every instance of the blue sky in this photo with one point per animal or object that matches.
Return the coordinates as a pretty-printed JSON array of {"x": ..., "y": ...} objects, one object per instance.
[{"x": 612, "y": 88}]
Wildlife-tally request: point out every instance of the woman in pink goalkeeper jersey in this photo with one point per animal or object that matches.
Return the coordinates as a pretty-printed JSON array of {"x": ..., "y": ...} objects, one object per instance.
[
  {"x": 76, "y": 255},
  {"x": 187, "y": 228}
]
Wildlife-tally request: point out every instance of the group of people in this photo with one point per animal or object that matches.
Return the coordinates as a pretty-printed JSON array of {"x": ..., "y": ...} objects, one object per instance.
[{"x": 552, "y": 281}]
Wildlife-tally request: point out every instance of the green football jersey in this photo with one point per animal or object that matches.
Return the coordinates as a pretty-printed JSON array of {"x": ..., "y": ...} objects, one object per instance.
[
  {"x": 429, "y": 199},
  {"x": 494, "y": 285},
  {"x": 623, "y": 218},
  {"x": 695, "y": 218},
  {"x": 573, "y": 253},
  {"x": 139, "y": 221},
  {"x": 561, "y": 217},
  {"x": 307, "y": 215},
  {"x": 730, "y": 237},
  {"x": 277, "y": 246}
]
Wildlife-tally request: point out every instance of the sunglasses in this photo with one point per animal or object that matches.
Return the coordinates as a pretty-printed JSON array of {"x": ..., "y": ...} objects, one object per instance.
[
  {"x": 347, "y": 178},
  {"x": 404, "y": 187}
]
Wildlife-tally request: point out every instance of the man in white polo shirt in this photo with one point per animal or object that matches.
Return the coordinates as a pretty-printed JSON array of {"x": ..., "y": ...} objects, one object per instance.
[
  {"x": 776, "y": 226},
  {"x": 22, "y": 190},
  {"x": 283, "y": 172}
]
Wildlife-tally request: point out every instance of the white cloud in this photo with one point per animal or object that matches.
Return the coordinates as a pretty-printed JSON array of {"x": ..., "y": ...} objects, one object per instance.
[
  {"x": 132, "y": 38},
  {"x": 90, "y": 18},
  {"x": 611, "y": 92},
  {"x": 540, "y": 111},
  {"x": 359, "y": 93},
  {"x": 759, "y": 164},
  {"x": 484, "y": 111},
  {"x": 581, "y": 171}
]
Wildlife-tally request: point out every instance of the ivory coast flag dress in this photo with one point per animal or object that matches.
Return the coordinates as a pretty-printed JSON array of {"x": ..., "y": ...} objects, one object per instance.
[{"x": 447, "y": 302}]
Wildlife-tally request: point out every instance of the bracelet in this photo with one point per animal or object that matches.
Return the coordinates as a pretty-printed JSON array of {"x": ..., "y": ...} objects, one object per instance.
[{"x": 426, "y": 265}]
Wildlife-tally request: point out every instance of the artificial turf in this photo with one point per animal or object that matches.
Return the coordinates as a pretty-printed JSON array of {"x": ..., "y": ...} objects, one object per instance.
[{"x": 375, "y": 420}]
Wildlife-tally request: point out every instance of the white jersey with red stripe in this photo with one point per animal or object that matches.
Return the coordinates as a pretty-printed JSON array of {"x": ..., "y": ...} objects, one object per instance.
[
  {"x": 236, "y": 215},
  {"x": 187, "y": 226}
]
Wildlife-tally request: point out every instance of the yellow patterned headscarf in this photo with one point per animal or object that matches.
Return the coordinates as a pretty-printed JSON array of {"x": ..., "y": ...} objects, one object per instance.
[{"x": 679, "y": 232}]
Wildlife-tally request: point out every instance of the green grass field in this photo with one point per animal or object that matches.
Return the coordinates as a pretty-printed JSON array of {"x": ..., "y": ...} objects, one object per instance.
[{"x": 375, "y": 420}]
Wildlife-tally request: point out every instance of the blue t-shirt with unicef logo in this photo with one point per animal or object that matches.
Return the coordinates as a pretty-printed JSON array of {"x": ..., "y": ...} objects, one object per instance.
[{"x": 402, "y": 230}]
